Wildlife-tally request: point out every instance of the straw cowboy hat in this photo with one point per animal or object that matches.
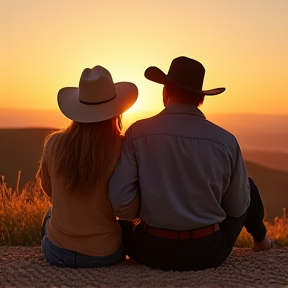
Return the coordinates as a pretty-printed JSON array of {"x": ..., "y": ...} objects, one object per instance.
[
  {"x": 98, "y": 98},
  {"x": 184, "y": 72}
]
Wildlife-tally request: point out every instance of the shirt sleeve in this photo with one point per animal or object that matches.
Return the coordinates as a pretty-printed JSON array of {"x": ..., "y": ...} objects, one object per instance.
[
  {"x": 124, "y": 183},
  {"x": 236, "y": 199}
]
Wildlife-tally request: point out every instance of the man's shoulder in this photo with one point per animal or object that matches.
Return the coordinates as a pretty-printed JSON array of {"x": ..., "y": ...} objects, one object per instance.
[
  {"x": 219, "y": 129},
  {"x": 222, "y": 136},
  {"x": 142, "y": 127},
  {"x": 144, "y": 121}
]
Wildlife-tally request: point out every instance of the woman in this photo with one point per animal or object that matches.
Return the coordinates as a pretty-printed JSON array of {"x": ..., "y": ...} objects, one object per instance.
[{"x": 80, "y": 229}]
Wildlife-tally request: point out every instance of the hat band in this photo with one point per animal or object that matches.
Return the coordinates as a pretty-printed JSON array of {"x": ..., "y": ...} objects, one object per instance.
[{"x": 96, "y": 103}]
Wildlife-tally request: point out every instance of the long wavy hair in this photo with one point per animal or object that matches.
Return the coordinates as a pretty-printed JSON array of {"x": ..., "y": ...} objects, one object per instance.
[{"x": 82, "y": 152}]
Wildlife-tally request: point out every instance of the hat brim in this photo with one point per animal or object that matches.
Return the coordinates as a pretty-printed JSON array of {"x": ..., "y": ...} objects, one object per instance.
[
  {"x": 71, "y": 107},
  {"x": 156, "y": 75}
]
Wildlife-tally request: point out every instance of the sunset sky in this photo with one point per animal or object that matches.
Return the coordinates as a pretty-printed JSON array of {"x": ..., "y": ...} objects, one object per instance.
[{"x": 46, "y": 44}]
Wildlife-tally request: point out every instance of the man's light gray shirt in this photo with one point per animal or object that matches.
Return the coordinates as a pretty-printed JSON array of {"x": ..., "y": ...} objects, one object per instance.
[{"x": 188, "y": 172}]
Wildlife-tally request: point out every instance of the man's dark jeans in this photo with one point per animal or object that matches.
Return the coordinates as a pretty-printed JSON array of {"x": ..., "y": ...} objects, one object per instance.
[{"x": 201, "y": 253}]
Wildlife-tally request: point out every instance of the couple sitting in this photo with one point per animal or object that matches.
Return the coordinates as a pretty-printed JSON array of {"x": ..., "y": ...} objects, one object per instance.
[{"x": 183, "y": 176}]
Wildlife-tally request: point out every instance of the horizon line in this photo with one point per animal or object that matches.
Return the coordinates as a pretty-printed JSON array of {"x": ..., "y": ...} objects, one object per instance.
[{"x": 149, "y": 111}]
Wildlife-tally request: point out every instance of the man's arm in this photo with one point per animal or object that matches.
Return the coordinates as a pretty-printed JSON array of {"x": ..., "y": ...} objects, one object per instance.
[
  {"x": 124, "y": 184},
  {"x": 237, "y": 197}
]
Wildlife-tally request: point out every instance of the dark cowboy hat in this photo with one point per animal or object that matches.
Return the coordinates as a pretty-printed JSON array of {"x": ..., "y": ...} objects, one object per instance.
[{"x": 184, "y": 72}]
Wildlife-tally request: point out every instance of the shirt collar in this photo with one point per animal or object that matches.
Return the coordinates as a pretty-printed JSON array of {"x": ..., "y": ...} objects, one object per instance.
[{"x": 183, "y": 109}]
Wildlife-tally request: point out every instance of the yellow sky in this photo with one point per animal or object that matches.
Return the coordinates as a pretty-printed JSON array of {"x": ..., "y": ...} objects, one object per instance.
[{"x": 243, "y": 44}]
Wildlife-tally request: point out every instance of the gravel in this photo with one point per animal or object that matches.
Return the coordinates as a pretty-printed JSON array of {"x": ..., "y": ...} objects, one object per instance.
[{"x": 26, "y": 267}]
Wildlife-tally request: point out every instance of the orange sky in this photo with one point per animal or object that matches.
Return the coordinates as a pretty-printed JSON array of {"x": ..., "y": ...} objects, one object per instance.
[{"x": 243, "y": 44}]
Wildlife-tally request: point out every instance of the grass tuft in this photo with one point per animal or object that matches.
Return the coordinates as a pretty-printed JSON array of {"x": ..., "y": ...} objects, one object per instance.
[
  {"x": 279, "y": 230},
  {"x": 21, "y": 214}
]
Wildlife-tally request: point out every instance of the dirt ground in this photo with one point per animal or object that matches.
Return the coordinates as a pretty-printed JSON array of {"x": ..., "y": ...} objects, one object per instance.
[{"x": 26, "y": 267}]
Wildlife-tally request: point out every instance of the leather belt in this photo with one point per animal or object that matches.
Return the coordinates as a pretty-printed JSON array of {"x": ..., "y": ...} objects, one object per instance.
[{"x": 183, "y": 235}]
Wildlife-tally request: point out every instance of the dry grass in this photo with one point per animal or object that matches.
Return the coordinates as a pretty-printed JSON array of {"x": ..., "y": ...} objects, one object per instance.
[
  {"x": 21, "y": 214},
  {"x": 278, "y": 231}
]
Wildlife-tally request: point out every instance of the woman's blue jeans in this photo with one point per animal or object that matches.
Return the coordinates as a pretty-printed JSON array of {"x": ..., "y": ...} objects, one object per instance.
[{"x": 67, "y": 258}]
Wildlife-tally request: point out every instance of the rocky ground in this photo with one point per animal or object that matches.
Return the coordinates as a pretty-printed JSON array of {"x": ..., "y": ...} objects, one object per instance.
[{"x": 26, "y": 267}]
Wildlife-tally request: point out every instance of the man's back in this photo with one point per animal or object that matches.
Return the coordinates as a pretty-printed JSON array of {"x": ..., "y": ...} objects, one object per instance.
[{"x": 184, "y": 165}]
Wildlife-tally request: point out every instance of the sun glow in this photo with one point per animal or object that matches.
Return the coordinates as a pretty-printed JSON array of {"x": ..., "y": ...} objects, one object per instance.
[{"x": 38, "y": 60}]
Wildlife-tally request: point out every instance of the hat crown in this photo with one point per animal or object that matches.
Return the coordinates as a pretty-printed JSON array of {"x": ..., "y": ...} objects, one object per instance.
[
  {"x": 96, "y": 86},
  {"x": 187, "y": 72}
]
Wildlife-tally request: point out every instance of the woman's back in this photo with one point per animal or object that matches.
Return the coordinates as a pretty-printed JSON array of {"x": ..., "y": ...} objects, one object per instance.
[{"x": 83, "y": 224}]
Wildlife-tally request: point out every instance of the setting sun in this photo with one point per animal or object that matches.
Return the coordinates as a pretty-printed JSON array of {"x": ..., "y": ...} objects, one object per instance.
[{"x": 249, "y": 58}]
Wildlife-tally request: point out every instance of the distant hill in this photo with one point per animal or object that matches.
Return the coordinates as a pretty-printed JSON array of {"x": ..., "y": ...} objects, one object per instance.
[
  {"x": 20, "y": 149},
  {"x": 274, "y": 160},
  {"x": 273, "y": 188}
]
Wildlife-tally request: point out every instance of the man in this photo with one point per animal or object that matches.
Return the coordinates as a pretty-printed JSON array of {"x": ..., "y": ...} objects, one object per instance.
[{"x": 195, "y": 195}]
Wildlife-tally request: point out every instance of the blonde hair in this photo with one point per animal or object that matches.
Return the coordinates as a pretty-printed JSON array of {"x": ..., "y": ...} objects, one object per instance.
[{"x": 82, "y": 152}]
